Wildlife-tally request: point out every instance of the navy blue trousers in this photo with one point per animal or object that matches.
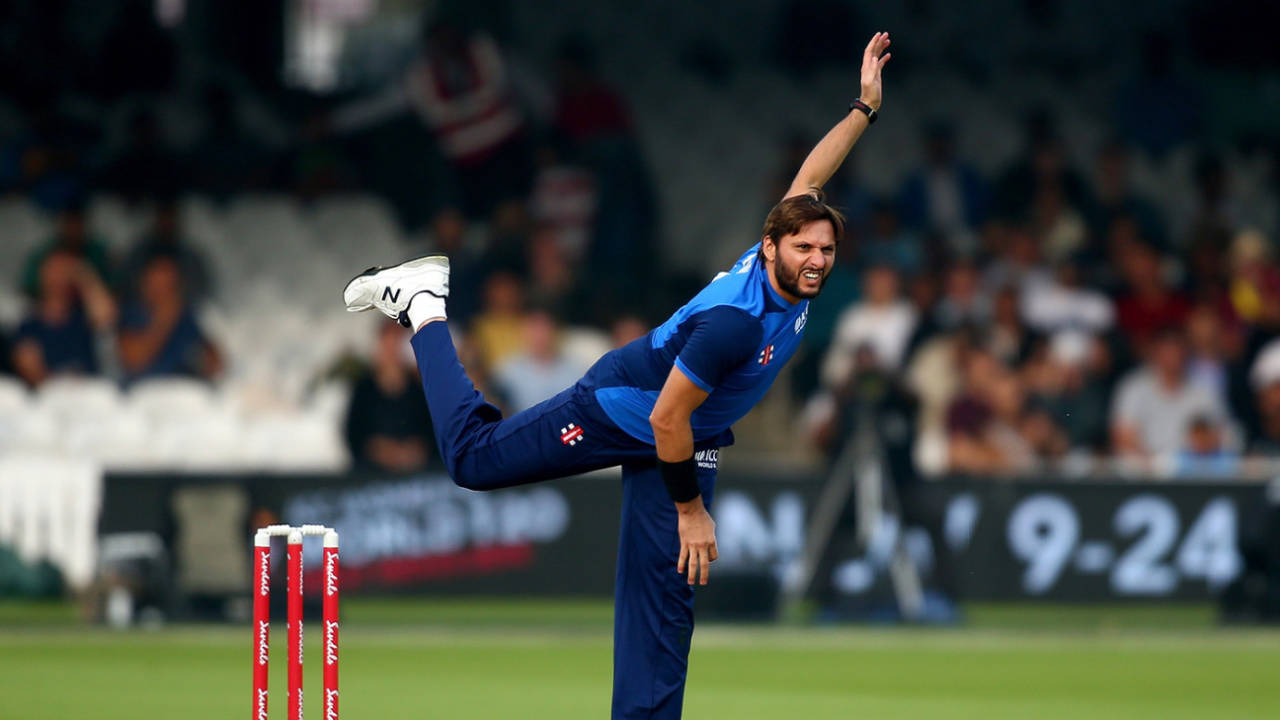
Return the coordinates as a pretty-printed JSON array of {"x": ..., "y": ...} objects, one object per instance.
[{"x": 566, "y": 435}]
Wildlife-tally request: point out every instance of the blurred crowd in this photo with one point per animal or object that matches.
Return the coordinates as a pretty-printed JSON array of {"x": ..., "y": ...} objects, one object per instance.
[
  {"x": 537, "y": 190},
  {"x": 1045, "y": 318},
  {"x": 1050, "y": 318}
]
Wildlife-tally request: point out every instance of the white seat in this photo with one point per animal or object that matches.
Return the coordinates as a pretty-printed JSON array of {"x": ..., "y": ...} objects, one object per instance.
[
  {"x": 67, "y": 396},
  {"x": 30, "y": 430},
  {"x": 208, "y": 442},
  {"x": 330, "y": 401},
  {"x": 297, "y": 442},
  {"x": 360, "y": 225},
  {"x": 171, "y": 397},
  {"x": 14, "y": 397},
  {"x": 121, "y": 441}
]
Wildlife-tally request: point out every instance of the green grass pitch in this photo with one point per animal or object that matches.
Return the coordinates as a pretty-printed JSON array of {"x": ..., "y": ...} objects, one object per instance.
[{"x": 475, "y": 659}]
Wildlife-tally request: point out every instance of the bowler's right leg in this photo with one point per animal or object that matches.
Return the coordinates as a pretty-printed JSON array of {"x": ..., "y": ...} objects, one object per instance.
[{"x": 564, "y": 435}]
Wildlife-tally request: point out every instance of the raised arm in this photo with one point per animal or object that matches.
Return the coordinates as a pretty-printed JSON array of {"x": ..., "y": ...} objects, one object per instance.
[{"x": 829, "y": 153}]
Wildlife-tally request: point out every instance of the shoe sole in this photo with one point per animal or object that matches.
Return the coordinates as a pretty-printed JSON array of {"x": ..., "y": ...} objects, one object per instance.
[{"x": 375, "y": 270}]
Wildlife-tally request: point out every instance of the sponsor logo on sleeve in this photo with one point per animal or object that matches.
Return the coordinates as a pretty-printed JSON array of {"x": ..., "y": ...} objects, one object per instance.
[
  {"x": 571, "y": 434},
  {"x": 765, "y": 355},
  {"x": 707, "y": 459}
]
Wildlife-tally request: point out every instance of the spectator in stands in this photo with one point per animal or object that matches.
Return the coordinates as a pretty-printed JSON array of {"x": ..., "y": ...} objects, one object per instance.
[
  {"x": 1154, "y": 404},
  {"x": 1212, "y": 350},
  {"x": 58, "y": 336},
  {"x": 159, "y": 334},
  {"x": 1066, "y": 378},
  {"x": 1018, "y": 263},
  {"x": 1058, "y": 226},
  {"x": 1204, "y": 454},
  {"x": 165, "y": 239},
  {"x": 496, "y": 329},
  {"x": 1264, "y": 378},
  {"x": 540, "y": 370},
  {"x": 945, "y": 197},
  {"x": 1253, "y": 286},
  {"x": 460, "y": 86},
  {"x": 388, "y": 427},
  {"x": 883, "y": 321},
  {"x": 1115, "y": 196},
  {"x": 586, "y": 108},
  {"x": 1218, "y": 213},
  {"x": 963, "y": 301},
  {"x": 1149, "y": 303},
  {"x": 983, "y": 423},
  {"x": 71, "y": 235},
  {"x": 1066, "y": 303},
  {"x": 563, "y": 202},
  {"x": 1008, "y": 337},
  {"x": 554, "y": 280}
]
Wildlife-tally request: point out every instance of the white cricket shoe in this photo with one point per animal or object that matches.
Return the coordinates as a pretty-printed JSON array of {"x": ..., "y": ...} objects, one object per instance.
[{"x": 391, "y": 289}]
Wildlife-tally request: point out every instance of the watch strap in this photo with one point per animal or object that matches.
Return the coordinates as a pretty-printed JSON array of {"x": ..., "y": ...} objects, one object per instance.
[{"x": 871, "y": 113}]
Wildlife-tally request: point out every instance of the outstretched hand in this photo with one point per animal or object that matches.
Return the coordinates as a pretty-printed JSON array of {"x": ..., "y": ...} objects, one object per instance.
[{"x": 874, "y": 59}]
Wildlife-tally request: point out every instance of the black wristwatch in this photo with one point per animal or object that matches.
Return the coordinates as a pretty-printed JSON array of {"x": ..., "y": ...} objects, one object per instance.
[{"x": 870, "y": 111}]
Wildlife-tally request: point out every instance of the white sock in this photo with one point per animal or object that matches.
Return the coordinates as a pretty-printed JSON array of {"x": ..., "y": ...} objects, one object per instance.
[{"x": 423, "y": 307}]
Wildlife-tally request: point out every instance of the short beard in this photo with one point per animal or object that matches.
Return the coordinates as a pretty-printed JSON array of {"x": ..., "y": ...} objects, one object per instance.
[{"x": 790, "y": 281}]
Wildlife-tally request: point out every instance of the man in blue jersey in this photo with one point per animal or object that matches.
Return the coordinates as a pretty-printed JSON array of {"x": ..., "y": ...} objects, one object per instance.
[{"x": 661, "y": 407}]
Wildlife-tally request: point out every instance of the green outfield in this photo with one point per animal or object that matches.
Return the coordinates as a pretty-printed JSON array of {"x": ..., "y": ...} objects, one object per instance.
[{"x": 502, "y": 659}]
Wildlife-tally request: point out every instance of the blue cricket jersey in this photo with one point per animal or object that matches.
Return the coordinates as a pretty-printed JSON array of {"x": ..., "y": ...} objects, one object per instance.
[{"x": 731, "y": 340}]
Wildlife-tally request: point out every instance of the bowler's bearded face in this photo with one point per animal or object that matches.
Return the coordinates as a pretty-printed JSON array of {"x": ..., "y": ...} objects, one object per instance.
[{"x": 803, "y": 260}]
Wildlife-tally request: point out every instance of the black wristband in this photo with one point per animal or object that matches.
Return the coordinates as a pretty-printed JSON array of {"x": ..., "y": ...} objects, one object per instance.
[
  {"x": 871, "y": 113},
  {"x": 681, "y": 479}
]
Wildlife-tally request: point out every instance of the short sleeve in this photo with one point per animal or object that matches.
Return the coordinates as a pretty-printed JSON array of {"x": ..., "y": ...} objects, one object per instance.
[{"x": 721, "y": 340}]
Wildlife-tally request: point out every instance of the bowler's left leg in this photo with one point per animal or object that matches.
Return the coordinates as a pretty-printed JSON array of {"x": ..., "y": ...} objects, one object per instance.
[{"x": 653, "y": 604}]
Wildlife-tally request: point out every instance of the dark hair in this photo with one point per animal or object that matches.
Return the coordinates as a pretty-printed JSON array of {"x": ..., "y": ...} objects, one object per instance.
[{"x": 792, "y": 214}]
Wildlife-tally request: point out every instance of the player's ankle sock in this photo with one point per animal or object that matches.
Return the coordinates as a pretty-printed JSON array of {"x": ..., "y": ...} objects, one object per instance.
[{"x": 423, "y": 307}]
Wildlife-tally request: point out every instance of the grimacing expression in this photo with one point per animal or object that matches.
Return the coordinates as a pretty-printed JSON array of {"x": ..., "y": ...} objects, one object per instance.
[{"x": 803, "y": 260}]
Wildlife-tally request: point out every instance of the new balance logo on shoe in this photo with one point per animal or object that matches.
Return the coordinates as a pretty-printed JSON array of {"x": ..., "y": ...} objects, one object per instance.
[{"x": 387, "y": 294}]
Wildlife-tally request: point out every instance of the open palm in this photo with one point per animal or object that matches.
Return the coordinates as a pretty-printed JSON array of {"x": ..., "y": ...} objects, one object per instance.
[{"x": 874, "y": 59}]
